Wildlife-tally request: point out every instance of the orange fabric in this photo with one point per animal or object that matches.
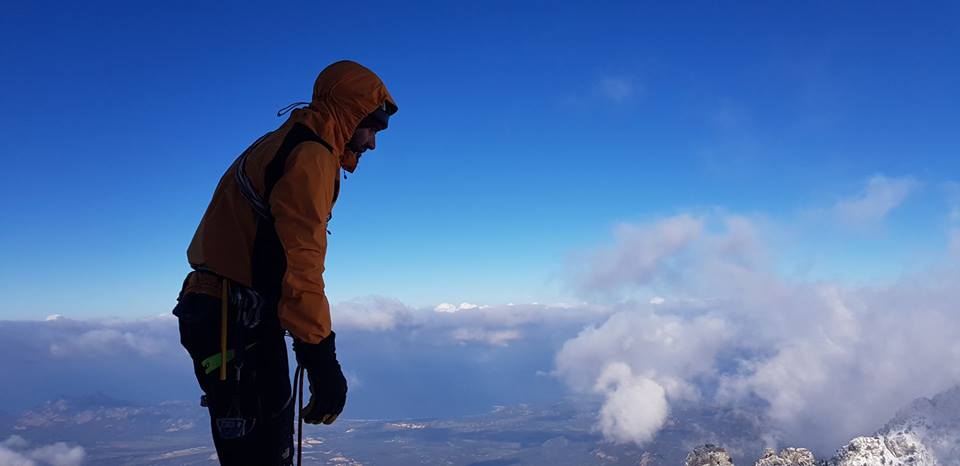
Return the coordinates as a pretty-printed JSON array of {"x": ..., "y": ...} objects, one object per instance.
[
  {"x": 301, "y": 203},
  {"x": 344, "y": 93}
]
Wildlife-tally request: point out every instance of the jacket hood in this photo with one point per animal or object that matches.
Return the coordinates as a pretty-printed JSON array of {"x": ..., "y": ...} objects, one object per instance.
[{"x": 343, "y": 95}]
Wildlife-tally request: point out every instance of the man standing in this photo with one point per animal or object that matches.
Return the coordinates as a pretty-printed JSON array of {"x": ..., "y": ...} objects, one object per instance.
[{"x": 258, "y": 260}]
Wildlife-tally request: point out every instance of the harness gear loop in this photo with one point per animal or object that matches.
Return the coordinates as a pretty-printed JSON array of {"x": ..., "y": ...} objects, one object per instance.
[{"x": 223, "y": 328}]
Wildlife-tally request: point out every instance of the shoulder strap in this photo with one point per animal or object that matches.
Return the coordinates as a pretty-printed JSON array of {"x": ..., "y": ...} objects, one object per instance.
[
  {"x": 268, "y": 259},
  {"x": 261, "y": 204}
]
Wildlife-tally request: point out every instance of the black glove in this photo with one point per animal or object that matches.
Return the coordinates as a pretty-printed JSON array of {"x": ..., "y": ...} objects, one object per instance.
[{"x": 328, "y": 386}]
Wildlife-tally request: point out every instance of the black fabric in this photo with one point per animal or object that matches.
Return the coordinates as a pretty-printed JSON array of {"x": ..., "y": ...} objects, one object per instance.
[
  {"x": 317, "y": 354},
  {"x": 251, "y": 412},
  {"x": 269, "y": 260},
  {"x": 328, "y": 386}
]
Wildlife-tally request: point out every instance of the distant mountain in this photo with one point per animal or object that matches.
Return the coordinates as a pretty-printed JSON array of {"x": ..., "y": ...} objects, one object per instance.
[
  {"x": 94, "y": 417},
  {"x": 935, "y": 422},
  {"x": 925, "y": 433},
  {"x": 897, "y": 449}
]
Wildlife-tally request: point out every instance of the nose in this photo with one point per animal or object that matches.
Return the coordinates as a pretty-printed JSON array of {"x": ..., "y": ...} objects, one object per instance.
[{"x": 373, "y": 142}]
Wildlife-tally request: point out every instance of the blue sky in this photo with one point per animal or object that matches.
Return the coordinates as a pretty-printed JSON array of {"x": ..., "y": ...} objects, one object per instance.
[{"x": 526, "y": 133}]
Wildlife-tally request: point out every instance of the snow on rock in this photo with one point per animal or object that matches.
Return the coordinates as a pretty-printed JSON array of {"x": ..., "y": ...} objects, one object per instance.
[
  {"x": 925, "y": 433},
  {"x": 900, "y": 449},
  {"x": 787, "y": 457},
  {"x": 934, "y": 422},
  {"x": 708, "y": 455}
]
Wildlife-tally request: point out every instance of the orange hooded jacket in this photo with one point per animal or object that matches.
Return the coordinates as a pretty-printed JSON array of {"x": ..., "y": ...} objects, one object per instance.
[{"x": 283, "y": 256}]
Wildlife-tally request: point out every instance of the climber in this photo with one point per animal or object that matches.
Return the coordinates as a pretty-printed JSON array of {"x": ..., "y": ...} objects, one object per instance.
[{"x": 258, "y": 263}]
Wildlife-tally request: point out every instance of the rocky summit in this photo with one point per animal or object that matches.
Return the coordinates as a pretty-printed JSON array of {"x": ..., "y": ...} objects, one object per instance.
[
  {"x": 787, "y": 457},
  {"x": 881, "y": 450},
  {"x": 900, "y": 449},
  {"x": 708, "y": 455}
]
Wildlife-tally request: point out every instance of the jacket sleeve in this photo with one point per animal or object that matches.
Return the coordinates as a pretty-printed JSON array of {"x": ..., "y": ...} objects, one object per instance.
[{"x": 301, "y": 202}]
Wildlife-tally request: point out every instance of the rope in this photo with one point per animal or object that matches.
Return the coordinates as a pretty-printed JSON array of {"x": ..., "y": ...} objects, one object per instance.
[{"x": 298, "y": 376}]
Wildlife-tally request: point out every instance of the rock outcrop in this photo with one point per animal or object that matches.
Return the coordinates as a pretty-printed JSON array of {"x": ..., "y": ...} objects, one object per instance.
[
  {"x": 787, "y": 457},
  {"x": 708, "y": 455},
  {"x": 881, "y": 450},
  {"x": 899, "y": 449}
]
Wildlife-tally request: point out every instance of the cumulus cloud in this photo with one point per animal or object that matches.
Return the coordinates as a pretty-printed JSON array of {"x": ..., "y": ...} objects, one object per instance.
[
  {"x": 634, "y": 409},
  {"x": 827, "y": 361},
  {"x": 666, "y": 348},
  {"x": 15, "y": 451},
  {"x": 639, "y": 253},
  {"x": 880, "y": 196}
]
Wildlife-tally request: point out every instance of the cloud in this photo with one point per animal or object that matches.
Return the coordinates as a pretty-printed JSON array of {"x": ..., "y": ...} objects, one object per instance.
[
  {"x": 880, "y": 196},
  {"x": 145, "y": 337},
  {"x": 635, "y": 408},
  {"x": 665, "y": 348},
  {"x": 616, "y": 89},
  {"x": 825, "y": 360},
  {"x": 495, "y": 351},
  {"x": 15, "y": 442},
  {"x": 447, "y": 307},
  {"x": 12, "y": 458},
  {"x": 491, "y": 337},
  {"x": 63, "y": 356},
  {"x": 639, "y": 252},
  {"x": 15, "y": 452},
  {"x": 372, "y": 313}
]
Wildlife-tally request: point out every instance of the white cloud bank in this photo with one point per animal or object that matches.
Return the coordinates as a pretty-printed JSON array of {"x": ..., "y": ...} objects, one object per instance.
[
  {"x": 826, "y": 361},
  {"x": 16, "y": 451}
]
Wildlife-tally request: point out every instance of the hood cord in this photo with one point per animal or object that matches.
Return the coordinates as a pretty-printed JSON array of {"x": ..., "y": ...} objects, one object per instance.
[{"x": 290, "y": 107}]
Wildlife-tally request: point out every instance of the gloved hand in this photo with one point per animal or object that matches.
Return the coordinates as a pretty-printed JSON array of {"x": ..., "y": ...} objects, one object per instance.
[{"x": 328, "y": 386}]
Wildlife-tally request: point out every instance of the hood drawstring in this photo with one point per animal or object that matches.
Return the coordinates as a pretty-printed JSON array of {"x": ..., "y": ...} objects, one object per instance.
[{"x": 290, "y": 107}]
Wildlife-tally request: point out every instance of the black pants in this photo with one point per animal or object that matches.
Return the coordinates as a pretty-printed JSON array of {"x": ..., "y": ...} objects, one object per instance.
[{"x": 251, "y": 414}]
